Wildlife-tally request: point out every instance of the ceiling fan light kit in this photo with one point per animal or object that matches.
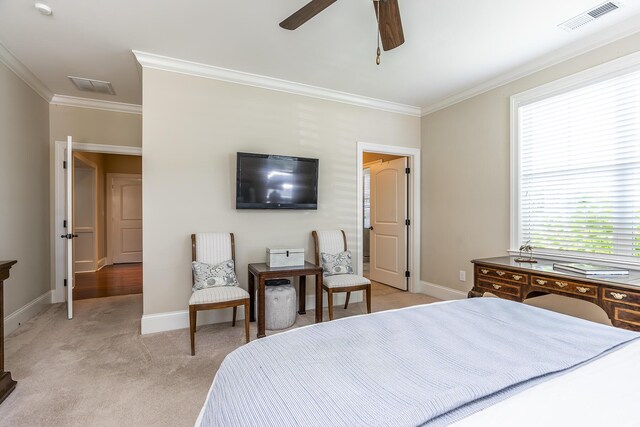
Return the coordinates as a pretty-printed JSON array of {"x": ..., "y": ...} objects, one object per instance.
[{"x": 390, "y": 30}]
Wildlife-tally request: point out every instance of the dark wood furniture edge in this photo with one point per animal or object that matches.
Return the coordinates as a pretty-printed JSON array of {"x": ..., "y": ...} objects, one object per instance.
[
  {"x": 612, "y": 307},
  {"x": 7, "y": 384},
  {"x": 193, "y": 309}
]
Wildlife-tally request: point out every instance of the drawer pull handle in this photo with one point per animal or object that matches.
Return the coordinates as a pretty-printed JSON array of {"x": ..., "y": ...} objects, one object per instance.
[
  {"x": 496, "y": 286},
  {"x": 582, "y": 290},
  {"x": 500, "y": 273},
  {"x": 516, "y": 277},
  {"x": 562, "y": 284},
  {"x": 618, "y": 295},
  {"x": 541, "y": 282},
  {"x": 484, "y": 271}
]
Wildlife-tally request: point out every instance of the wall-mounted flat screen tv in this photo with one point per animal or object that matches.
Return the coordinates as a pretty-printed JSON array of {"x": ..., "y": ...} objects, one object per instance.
[{"x": 267, "y": 181}]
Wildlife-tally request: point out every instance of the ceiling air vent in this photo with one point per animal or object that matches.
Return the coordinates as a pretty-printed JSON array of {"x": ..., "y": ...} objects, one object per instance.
[
  {"x": 91, "y": 85},
  {"x": 590, "y": 15}
]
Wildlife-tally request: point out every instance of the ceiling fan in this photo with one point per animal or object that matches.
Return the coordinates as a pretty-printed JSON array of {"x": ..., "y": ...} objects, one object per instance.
[{"x": 387, "y": 13}]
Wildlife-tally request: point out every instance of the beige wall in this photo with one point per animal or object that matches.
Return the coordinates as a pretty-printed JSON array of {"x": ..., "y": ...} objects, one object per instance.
[
  {"x": 193, "y": 128},
  {"x": 24, "y": 190},
  {"x": 93, "y": 126},
  {"x": 465, "y": 181}
]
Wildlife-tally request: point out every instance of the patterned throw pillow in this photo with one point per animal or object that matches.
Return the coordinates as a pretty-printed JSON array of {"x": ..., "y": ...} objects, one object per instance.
[
  {"x": 209, "y": 276},
  {"x": 339, "y": 263}
]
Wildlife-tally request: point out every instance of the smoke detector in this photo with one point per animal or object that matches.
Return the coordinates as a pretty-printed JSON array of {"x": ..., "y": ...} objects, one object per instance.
[
  {"x": 92, "y": 85},
  {"x": 590, "y": 15},
  {"x": 43, "y": 8}
]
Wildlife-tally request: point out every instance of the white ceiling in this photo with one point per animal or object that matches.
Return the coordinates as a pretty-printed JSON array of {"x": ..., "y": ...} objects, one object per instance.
[{"x": 452, "y": 46}]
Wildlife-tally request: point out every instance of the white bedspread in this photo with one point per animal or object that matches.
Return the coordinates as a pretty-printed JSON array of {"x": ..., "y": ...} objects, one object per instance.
[{"x": 507, "y": 335}]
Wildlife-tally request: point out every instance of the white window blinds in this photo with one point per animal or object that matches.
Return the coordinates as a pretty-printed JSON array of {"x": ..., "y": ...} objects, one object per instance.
[{"x": 580, "y": 170}]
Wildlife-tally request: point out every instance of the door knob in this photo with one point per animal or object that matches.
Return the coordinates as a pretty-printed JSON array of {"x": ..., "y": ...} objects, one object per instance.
[
  {"x": 371, "y": 228},
  {"x": 69, "y": 236}
]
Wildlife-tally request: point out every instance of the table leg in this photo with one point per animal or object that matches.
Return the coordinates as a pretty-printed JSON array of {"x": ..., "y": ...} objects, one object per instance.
[
  {"x": 319, "y": 298},
  {"x": 261, "y": 306},
  {"x": 252, "y": 297},
  {"x": 302, "y": 295}
]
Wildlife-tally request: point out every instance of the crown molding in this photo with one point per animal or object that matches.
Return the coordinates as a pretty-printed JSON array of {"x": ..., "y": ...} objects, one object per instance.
[
  {"x": 96, "y": 104},
  {"x": 8, "y": 59},
  {"x": 533, "y": 67},
  {"x": 164, "y": 63}
]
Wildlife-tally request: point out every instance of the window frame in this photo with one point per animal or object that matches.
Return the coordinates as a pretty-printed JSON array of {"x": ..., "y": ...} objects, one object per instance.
[{"x": 596, "y": 74}]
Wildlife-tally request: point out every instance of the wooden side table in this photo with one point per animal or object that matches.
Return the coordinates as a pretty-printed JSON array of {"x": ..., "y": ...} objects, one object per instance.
[
  {"x": 264, "y": 273},
  {"x": 6, "y": 383}
]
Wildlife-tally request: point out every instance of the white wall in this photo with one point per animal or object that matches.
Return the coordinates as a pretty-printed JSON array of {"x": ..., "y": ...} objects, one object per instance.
[
  {"x": 24, "y": 191},
  {"x": 192, "y": 129},
  {"x": 465, "y": 180}
]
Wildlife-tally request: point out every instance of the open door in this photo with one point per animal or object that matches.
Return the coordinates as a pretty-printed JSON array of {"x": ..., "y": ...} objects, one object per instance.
[
  {"x": 68, "y": 194},
  {"x": 388, "y": 239}
]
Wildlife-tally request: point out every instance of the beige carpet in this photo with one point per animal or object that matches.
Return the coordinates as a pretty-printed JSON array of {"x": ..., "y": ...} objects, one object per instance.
[{"x": 97, "y": 370}]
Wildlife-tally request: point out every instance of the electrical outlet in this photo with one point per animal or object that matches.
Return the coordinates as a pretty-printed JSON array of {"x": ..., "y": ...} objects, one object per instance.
[{"x": 463, "y": 276}]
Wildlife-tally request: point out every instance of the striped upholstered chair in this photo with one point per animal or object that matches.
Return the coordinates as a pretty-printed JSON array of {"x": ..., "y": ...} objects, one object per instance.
[
  {"x": 214, "y": 248},
  {"x": 333, "y": 242}
]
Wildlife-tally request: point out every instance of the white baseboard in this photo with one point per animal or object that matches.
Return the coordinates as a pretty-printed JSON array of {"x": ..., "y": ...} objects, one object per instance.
[
  {"x": 84, "y": 266},
  {"x": 440, "y": 292},
  {"x": 102, "y": 262},
  {"x": 26, "y": 312},
  {"x": 169, "y": 321}
]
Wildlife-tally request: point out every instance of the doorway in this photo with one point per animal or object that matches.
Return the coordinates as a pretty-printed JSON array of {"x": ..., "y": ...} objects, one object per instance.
[
  {"x": 106, "y": 275},
  {"x": 388, "y": 223},
  {"x": 385, "y": 214}
]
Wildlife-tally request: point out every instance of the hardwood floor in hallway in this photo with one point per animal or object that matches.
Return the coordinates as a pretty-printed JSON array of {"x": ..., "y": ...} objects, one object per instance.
[{"x": 112, "y": 280}]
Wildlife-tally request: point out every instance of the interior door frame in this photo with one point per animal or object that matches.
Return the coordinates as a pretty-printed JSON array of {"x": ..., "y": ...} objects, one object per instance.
[
  {"x": 109, "y": 206},
  {"x": 413, "y": 192},
  {"x": 58, "y": 209}
]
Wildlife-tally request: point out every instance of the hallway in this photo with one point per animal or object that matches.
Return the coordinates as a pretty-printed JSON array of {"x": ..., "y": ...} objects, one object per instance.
[{"x": 111, "y": 280}]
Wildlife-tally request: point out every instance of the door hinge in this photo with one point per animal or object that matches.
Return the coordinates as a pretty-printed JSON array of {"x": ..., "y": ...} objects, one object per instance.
[
  {"x": 407, "y": 170},
  {"x": 65, "y": 283},
  {"x": 407, "y": 222},
  {"x": 64, "y": 223},
  {"x": 64, "y": 164},
  {"x": 407, "y": 273}
]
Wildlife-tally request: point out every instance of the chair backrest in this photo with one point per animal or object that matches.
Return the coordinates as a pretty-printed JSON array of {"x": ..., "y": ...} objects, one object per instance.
[
  {"x": 329, "y": 241},
  {"x": 212, "y": 248}
]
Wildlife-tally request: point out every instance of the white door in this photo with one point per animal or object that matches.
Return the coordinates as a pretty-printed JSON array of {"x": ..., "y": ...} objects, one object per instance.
[
  {"x": 84, "y": 216},
  {"x": 126, "y": 218},
  {"x": 388, "y": 240},
  {"x": 68, "y": 198}
]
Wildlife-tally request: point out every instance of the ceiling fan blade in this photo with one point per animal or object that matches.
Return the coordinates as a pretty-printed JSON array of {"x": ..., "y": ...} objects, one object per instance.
[
  {"x": 305, "y": 13},
  {"x": 390, "y": 25}
]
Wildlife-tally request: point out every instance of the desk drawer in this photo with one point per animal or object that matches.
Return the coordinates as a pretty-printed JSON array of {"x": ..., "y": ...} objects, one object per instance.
[
  {"x": 621, "y": 296},
  {"x": 565, "y": 286},
  {"x": 514, "y": 276},
  {"x": 499, "y": 287}
]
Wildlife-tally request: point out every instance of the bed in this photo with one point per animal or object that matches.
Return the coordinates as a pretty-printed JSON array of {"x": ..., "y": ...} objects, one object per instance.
[{"x": 481, "y": 361}]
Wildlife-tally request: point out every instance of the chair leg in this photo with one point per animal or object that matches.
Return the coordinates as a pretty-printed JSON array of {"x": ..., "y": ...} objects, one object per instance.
[
  {"x": 192, "y": 328},
  {"x": 246, "y": 319},
  {"x": 235, "y": 310},
  {"x": 330, "y": 293},
  {"x": 368, "y": 292},
  {"x": 346, "y": 303}
]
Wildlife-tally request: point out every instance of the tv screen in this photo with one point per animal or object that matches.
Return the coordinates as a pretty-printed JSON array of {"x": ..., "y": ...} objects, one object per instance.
[{"x": 266, "y": 181}]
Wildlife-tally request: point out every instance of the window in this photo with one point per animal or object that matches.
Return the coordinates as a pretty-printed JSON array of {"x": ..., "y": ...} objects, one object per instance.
[{"x": 576, "y": 165}]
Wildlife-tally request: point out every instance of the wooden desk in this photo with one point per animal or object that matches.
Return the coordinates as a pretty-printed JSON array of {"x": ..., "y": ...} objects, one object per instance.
[
  {"x": 6, "y": 383},
  {"x": 618, "y": 296},
  {"x": 263, "y": 273}
]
